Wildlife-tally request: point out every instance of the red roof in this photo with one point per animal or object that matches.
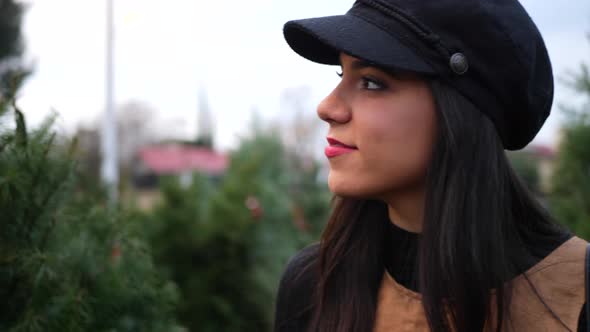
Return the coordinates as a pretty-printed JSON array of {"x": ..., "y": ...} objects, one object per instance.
[
  {"x": 543, "y": 151},
  {"x": 178, "y": 158}
]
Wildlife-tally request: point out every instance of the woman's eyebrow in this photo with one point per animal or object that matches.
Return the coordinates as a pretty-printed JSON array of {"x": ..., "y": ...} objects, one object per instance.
[
  {"x": 393, "y": 73},
  {"x": 361, "y": 64}
]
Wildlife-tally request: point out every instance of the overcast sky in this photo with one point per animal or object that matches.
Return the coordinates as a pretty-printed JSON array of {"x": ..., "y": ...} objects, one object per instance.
[{"x": 167, "y": 50}]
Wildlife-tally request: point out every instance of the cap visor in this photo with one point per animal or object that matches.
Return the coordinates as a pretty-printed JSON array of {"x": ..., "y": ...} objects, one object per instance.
[{"x": 322, "y": 39}]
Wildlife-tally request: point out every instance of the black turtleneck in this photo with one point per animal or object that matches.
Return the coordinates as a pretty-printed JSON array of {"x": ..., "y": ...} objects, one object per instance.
[
  {"x": 402, "y": 250},
  {"x": 401, "y": 256}
]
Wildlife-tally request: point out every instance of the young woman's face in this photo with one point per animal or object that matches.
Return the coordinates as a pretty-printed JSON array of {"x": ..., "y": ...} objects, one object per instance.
[{"x": 390, "y": 121}]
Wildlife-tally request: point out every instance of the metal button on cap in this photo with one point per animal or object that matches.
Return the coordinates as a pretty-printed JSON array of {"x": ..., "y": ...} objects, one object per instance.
[{"x": 459, "y": 63}]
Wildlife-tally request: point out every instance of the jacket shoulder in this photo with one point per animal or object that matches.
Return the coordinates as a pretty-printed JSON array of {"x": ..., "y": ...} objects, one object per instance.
[{"x": 556, "y": 282}]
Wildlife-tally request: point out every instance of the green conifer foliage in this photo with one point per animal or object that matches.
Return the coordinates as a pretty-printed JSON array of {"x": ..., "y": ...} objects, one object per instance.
[
  {"x": 570, "y": 200},
  {"x": 66, "y": 262},
  {"x": 226, "y": 242}
]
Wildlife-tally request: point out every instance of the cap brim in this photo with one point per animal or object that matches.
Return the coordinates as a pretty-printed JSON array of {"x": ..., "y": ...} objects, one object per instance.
[{"x": 322, "y": 39}]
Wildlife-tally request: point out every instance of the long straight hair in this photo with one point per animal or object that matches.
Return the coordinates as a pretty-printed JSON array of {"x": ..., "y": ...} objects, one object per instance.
[{"x": 479, "y": 220}]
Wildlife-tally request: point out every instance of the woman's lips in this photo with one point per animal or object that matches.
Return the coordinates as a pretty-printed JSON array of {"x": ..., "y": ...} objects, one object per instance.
[
  {"x": 335, "y": 150},
  {"x": 333, "y": 141}
]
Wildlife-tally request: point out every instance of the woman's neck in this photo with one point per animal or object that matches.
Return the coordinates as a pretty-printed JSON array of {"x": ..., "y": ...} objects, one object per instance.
[{"x": 407, "y": 211}]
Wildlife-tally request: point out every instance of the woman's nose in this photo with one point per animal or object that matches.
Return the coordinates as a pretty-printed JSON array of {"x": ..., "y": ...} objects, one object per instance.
[{"x": 334, "y": 109}]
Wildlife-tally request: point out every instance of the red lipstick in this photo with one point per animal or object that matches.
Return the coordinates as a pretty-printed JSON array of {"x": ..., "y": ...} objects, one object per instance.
[{"x": 337, "y": 148}]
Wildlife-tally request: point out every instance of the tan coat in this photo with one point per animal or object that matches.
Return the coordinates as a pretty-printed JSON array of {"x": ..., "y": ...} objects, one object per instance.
[{"x": 558, "y": 278}]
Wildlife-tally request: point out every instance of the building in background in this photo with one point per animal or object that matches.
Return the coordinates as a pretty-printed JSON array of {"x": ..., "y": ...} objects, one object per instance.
[
  {"x": 175, "y": 160},
  {"x": 178, "y": 159},
  {"x": 535, "y": 165},
  {"x": 545, "y": 157}
]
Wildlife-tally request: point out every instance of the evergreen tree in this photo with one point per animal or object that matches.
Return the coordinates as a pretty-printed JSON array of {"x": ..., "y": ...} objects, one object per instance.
[
  {"x": 571, "y": 181},
  {"x": 66, "y": 263},
  {"x": 225, "y": 244},
  {"x": 12, "y": 70}
]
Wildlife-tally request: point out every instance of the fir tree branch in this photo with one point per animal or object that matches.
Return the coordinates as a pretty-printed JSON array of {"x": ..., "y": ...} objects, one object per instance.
[
  {"x": 30, "y": 216},
  {"x": 45, "y": 236},
  {"x": 21, "y": 128}
]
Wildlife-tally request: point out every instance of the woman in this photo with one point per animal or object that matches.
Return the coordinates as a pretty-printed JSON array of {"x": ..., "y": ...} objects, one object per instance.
[{"x": 431, "y": 230}]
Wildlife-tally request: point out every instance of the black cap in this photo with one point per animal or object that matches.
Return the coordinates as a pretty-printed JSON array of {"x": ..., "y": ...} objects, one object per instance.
[{"x": 490, "y": 51}]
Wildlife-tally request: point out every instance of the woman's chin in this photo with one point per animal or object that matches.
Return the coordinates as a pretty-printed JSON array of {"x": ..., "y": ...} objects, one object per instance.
[
  {"x": 344, "y": 187},
  {"x": 351, "y": 187}
]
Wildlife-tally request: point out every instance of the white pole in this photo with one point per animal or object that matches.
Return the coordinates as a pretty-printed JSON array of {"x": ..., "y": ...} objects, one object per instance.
[{"x": 110, "y": 174}]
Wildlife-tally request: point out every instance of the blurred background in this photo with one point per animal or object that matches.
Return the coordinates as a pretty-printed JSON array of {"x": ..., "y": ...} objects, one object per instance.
[{"x": 160, "y": 161}]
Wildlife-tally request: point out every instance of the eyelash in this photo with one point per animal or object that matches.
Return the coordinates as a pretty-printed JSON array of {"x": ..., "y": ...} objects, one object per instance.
[{"x": 366, "y": 81}]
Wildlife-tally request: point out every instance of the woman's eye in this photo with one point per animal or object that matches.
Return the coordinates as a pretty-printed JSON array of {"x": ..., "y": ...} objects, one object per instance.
[
  {"x": 371, "y": 84},
  {"x": 339, "y": 74}
]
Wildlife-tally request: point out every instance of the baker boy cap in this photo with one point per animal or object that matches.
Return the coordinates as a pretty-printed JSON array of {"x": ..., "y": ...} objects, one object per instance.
[{"x": 490, "y": 51}]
